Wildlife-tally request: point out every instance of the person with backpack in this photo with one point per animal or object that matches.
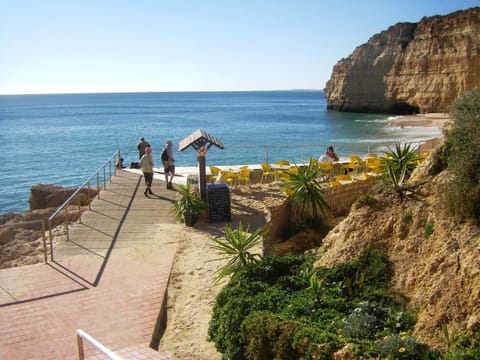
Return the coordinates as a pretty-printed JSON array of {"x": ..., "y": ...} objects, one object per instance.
[
  {"x": 168, "y": 163},
  {"x": 146, "y": 163}
]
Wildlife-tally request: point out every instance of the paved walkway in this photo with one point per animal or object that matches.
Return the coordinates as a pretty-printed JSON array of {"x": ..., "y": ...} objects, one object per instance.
[{"x": 110, "y": 280}]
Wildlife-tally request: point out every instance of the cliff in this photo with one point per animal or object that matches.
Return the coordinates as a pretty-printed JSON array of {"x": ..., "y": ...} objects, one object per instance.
[
  {"x": 410, "y": 67},
  {"x": 439, "y": 273}
]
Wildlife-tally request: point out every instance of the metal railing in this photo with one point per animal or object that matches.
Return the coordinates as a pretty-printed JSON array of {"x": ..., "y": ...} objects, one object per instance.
[
  {"x": 100, "y": 180},
  {"x": 82, "y": 335}
]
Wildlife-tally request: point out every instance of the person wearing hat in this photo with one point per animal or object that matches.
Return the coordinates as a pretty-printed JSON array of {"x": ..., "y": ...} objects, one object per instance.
[
  {"x": 146, "y": 164},
  {"x": 168, "y": 164}
]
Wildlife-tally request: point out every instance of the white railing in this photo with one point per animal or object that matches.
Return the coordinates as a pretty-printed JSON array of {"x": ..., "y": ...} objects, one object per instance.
[{"x": 82, "y": 335}]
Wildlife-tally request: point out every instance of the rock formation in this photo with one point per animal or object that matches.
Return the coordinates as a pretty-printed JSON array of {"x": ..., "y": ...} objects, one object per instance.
[
  {"x": 21, "y": 241},
  {"x": 410, "y": 67}
]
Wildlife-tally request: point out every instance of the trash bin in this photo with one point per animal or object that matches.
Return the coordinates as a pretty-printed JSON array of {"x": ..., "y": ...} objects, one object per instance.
[{"x": 218, "y": 199}]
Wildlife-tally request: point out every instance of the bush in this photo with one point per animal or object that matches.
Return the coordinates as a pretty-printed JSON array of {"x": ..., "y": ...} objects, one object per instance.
[
  {"x": 274, "y": 310},
  {"x": 462, "y": 146}
]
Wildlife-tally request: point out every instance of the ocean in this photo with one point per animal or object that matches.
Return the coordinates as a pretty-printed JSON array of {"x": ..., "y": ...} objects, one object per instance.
[{"x": 63, "y": 139}]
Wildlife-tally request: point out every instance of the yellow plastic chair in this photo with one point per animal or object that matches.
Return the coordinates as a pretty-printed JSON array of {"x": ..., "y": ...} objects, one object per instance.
[
  {"x": 334, "y": 183},
  {"x": 313, "y": 162},
  {"x": 340, "y": 178},
  {"x": 244, "y": 175},
  {"x": 372, "y": 155},
  {"x": 228, "y": 177},
  {"x": 283, "y": 163},
  {"x": 267, "y": 172},
  {"x": 214, "y": 171},
  {"x": 421, "y": 158},
  {"x": 279, "y": 171},
  {"x": 356, "y": 164},
  {"x": 326, "y": 169},
  {"x": 373, "y": 165}
]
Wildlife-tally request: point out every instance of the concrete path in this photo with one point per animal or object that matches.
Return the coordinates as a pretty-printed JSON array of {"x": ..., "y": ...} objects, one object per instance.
[{"x": 109, "y": 280}]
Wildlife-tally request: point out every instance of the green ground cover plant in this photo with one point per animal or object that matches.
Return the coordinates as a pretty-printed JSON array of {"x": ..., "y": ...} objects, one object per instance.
[{"x": 284, "y": 308}]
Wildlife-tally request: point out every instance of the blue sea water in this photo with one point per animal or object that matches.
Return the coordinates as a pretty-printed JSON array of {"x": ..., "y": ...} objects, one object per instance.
[{"x": 63, "y": 139}]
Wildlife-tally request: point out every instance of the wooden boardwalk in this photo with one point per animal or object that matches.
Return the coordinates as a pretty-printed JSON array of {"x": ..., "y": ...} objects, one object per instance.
[{"x": 109, "y": 280}]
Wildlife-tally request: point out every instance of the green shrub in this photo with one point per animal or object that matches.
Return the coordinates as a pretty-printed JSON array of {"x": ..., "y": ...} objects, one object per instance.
[
  {"x": 274, "y": 310},
  {"x": 462, "y": 146},
  {"x": 403, "y": 347},
  {"x": 429, "y": 229},
  {"x": 407, "y": 217},
  {"x": 365, "y": 200}
]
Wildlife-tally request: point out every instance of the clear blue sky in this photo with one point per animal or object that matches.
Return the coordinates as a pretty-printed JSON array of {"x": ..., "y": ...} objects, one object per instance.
[{"x": 62, "y": 46}]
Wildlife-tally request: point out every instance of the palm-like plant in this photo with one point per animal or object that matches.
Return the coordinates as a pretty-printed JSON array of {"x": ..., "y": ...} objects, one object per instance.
[
  {"x": 236, "y": 248},
  {"x": 305, "y": 192},
  {"x": 190, "y": 204},
  {"x": 399, "y": 164}
]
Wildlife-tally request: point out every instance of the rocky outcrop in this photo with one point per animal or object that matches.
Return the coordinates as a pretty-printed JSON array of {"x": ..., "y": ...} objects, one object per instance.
[
  {"x": 410, "y": 67},
  {"x": 21, "y": 239},
  {"x": 47, "y": 196}
]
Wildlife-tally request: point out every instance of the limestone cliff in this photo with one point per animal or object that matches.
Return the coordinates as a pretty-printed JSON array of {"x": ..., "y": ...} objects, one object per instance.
[{"x": 410, "y": 67}]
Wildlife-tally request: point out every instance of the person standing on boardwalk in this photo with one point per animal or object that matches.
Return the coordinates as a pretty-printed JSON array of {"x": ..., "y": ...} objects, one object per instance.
[
  {"x": 168, "y": 163},
  {"x": 142, "y": 145},
  {"x": 146, "y": 163}
]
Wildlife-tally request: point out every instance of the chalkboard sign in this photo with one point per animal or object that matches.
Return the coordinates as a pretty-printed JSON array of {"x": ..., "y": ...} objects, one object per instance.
[{"x": 218, "y": 198}]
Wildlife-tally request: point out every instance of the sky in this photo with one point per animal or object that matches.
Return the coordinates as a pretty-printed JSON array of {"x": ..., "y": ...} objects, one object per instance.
[{"x": 90, "y": 46}]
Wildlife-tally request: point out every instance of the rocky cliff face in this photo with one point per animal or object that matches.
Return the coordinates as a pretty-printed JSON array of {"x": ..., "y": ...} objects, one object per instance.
[
  {"x": 439, "y": 273},
  {"x": 410, "y": 67}
]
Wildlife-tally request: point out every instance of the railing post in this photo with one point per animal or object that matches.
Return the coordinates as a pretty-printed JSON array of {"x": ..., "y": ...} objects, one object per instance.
[
  {"x": 66, "y": 222},
  {"x": 81, "y": 352},
  {"x": 88, "y": 196},
  {"x": 44, "y": 242},
  {"x": 98, "y": 186},
  {"x": 50, "y": 238},
  {"x": 104, "y": 179}
]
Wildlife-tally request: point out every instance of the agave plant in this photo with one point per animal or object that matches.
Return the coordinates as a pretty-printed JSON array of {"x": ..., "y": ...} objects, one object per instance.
[
  {"x": 305, "y": 192},
  {"x": 399, "y": 164},
  {"x": 189, "y": 206},
  {"x": 236, "y": 248}
]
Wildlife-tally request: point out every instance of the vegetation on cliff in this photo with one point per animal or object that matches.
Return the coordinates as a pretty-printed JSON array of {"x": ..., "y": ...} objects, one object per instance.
[{"x": 424, "y": 302}]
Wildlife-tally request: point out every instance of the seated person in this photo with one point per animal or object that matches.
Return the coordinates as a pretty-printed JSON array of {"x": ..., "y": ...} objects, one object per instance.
[{"x": 330, "y": 157}]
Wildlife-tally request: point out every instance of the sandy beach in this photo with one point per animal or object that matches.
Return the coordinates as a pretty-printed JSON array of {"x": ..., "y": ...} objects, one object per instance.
[{"x": 192, "y": 289}]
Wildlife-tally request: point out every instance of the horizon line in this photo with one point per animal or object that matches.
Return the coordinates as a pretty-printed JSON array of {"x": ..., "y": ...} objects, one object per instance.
[{"x": 153, "y": 92}]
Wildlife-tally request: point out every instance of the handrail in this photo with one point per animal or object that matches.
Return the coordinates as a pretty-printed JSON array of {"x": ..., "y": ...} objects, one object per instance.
[
  {"x": 97, "y": 344},
  {"x": 108, "y": 163}
]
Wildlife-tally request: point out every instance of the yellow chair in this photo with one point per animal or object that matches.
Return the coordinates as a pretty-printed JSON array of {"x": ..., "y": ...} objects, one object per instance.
[
  {"x": 372, "y": 155},
  {"x": 228, "y": 177},
  {"x": 283, "y": 163},
  {"x": 313, "y": 162},
  {"x": 244, "y": 175},
  {"x": 267, "y": 171},
  {"x": 373, "y": 165},
  {"x": 343, "y": 178},
  {"x": 282, "y": 166},
  {"x": 326, "y": 170},
  {"x": 334, "y": 183},
  {"x": 356, "y": 164},
  {"x": 421, "y": 158},
  {"x": 214, "y": 171}
]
